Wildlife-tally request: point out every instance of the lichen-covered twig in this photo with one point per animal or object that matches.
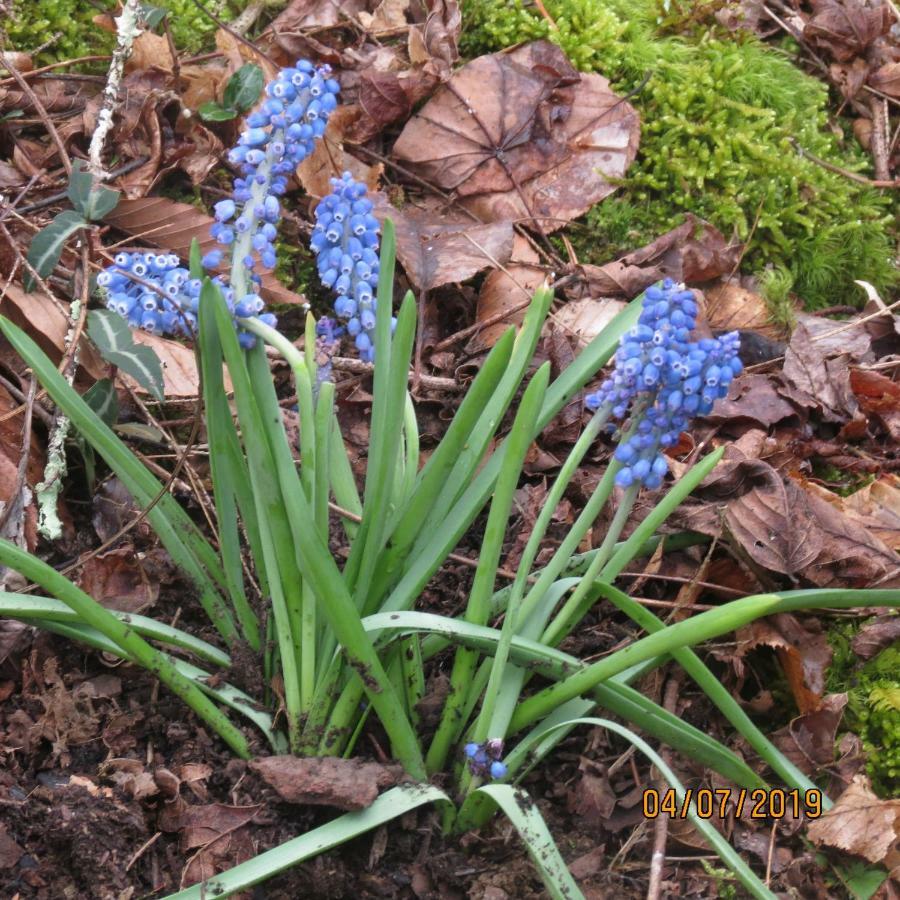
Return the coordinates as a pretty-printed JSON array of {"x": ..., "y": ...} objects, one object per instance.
[
  {"x": 127, "y": 29},
  {"x": 47, "y": 492}
]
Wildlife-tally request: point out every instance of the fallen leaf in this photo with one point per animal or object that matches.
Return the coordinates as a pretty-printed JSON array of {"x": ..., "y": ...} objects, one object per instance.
[
  {"x": 809, "y": 369},
  {"x": 878, "y": 396},
  {"x": 437, "y": 247},
  {"x": 755, "y": 398},
  {"x": 887, "y": 79},
  {"x": 219, "y": 831},
  {"x": 117, "y": 580},
  {"x": 772, "y": 522},
  {"x": 10, "y": 851},
  {"x": 729, "y": 307},
  {"x": 586, "y": 318},
  {"x": 47, "y": 324},
  {"x": 759, "y": 843},
  {"x": 522, "y": 135},
  {"x": 804, "y": 654},
  {"x": 808, "y": 740},
  {"x": 860, "y": 823},
  {"x": 845, "y": 29},
  {"x": 130, "y": 776},
  {"x": 692, "y": 252},
  {"x": 389, "y": 15},
  {"x": 330, "y": 160},
  {"x": 876, "y": 506},
  {"x": 506, "y": 293},
  {"x": 871, "y": 639},
  {"x": 165, "y": 223},
  {"x": 327, "y": 781}
]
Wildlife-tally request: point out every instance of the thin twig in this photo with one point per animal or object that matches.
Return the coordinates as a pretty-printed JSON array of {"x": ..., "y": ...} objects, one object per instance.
[{"x": 853, "y": 176}]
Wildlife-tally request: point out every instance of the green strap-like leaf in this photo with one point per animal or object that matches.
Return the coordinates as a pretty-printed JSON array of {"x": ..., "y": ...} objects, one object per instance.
[{"x": 522, "y": 811}]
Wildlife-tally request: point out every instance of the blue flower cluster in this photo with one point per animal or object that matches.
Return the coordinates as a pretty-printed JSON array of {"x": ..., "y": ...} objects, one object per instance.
[
  {"x": 662, "y": 379},
  {"x": 279, "y": 136},
  {"x": 345, "y": 240},
  {"x": 155, "y": 292},
  {"x": 484, "y": 759}
]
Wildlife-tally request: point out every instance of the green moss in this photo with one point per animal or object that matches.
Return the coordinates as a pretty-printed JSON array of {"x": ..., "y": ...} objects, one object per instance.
[
  {"x": 66, "y": 26},
  {"x": 775, "y": 285},
  {"x": 873, "y": 705},
  {"x": 719, "y": 120}
]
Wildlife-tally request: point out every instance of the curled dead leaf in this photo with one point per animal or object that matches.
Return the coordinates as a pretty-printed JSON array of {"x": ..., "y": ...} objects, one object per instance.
[
  {"x": 859, "y": 823},
  {"x": 522, "y": 135}
]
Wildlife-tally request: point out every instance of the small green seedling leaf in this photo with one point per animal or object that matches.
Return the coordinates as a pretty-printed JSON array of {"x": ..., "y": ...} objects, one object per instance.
[
  {"x": 110, "y": 332},
  {"x": 80, "y": 185},
  {"x": 212, "y": 112},
  {"x": 91, "y": 202},
  {"x": 152, "y": 15},
  {"x": 46, "y": 246},
  {"x": 101, "y": 397},
  {"x": 195, "y": 259},
  {"x": 244, "y": 87}
]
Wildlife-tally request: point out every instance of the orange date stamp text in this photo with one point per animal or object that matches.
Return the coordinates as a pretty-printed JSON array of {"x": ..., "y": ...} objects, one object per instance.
[{"x": 758, "y": 803}]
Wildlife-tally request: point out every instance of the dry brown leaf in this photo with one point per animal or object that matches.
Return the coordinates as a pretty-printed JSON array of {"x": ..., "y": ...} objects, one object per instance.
[
  {"x": 326, "y": 781},
  {"x": 878, "y": 396},
  {"x": 436, "y": 246},
  {"x": 876, "y": 506},
  {"x": 887, "y": 79},
  {"x": 522, "y": 135},
  {"x": 389, "y": 16},
  {"x": 118, "y": 580},
  {"x": 820, "y": 370},
  {"x": 47, "y": 324},
  {"x": 846, "y": 28},
  {"x": 330, "y": 160},
  {"x": 507, "y": 289},
  {"x": 694, "y": 251},
  {"x": 172, "y": 226},
  {"x": 753, "y": 398},
  {"x": 772, "y": 522},
  {"x": 871, "y": 639},
  {"x": 860, "y": 823},
  {"x": 729, "y": 307}
]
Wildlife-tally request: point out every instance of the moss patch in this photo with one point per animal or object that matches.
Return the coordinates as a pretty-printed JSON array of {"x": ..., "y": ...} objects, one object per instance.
[
  {"x": 873, "y": 705},
  {"x": 66, "y": 28},
  {"x": 722, "y": 117}
]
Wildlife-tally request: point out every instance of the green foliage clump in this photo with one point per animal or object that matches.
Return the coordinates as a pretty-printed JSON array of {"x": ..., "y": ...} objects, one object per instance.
[
  {"x": 67, "y": 29},
  {"x": 64, "y": 26},
  {"x": 722, "y": 119},
  {"x": 873, "y": 706}
]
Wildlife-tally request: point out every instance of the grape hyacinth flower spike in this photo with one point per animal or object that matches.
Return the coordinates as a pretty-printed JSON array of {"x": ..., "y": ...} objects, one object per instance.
[
  {"x": 279, "y": 136},
  {"x": 345, "y": 240},
  {"x": 155, "y": 292},
  {"x": 661, "y": 380}
]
